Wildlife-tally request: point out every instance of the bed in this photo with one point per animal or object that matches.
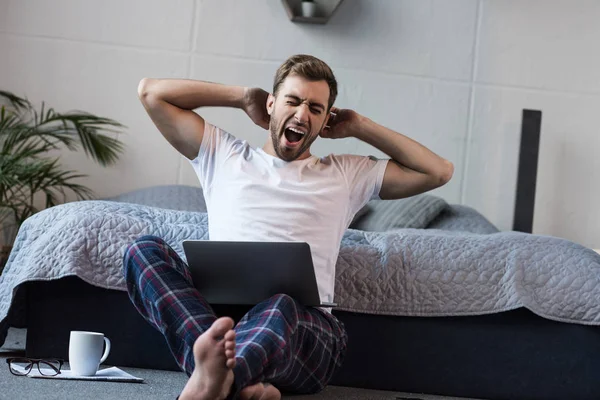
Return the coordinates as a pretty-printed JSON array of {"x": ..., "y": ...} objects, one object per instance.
[{"x": 435, "y": 300}]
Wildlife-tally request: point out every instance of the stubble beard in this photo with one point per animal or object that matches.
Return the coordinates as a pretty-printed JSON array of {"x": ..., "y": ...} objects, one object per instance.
[{"x": 282, "y": 152}]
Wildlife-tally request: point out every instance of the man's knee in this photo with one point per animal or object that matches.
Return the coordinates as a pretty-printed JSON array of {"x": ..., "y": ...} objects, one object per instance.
[
  {"x": 148, "y": 239},
  {"x": 287, "y": 306},
  {"x": 143, "y": 242},
  {"x": 283, "y": 300}
]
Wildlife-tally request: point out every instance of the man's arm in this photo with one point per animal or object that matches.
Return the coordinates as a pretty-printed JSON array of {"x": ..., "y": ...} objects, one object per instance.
[
  {"x": 413, "y": 168},
  {"x": 170, "y": 104}
]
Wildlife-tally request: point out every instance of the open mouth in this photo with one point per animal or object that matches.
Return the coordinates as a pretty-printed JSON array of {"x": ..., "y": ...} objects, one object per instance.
[{"x": 293, "y": 135}]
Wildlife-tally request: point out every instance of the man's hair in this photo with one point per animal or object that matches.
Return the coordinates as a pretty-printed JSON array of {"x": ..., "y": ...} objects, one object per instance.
[{"x": 308, "y": 67}]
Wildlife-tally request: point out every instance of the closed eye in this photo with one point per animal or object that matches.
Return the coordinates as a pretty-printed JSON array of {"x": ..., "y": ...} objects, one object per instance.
[{"x": 294, "y": 101}]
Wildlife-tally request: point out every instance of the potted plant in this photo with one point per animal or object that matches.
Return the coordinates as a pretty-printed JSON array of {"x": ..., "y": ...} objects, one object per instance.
[{"x": 28, "y": 172}]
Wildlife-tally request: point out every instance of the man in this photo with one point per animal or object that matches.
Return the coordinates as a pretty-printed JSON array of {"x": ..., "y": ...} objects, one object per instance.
[{"x": 278, "y": 193}]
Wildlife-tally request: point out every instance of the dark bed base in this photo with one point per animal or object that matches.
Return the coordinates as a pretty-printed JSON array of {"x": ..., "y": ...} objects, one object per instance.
[{"x": 512, "y": 355}]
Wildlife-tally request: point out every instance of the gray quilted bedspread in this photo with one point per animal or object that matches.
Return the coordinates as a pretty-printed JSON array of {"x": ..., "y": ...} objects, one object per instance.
[{"x": 412, "y": 272}]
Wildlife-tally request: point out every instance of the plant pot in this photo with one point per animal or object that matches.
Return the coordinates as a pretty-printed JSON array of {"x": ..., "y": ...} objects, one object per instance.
[
  {"x": 309, "y": 9},
  {"x": 4, "y": 253}
]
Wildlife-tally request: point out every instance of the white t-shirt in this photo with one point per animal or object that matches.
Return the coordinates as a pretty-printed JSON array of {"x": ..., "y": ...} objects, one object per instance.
[{"x": 253, "y": 196}]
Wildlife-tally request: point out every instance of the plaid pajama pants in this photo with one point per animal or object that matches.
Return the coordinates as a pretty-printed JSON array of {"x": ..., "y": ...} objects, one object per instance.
[{"x": 279, "y": 341}]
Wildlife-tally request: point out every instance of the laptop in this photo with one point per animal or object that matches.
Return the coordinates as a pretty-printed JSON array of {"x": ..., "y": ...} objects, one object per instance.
[{"x": 246, "y": 273}]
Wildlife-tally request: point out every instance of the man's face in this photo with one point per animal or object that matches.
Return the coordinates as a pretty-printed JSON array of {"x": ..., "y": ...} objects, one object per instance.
[{"x": 298, "y": 114}]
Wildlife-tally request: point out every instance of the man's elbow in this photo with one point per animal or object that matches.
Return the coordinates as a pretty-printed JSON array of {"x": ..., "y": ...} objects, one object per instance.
[
  {"x": 145, "y": 88},
  {"x": 446, "y": 173}
]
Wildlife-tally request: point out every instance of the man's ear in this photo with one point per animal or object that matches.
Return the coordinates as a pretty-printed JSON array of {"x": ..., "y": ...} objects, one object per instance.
[
  {"x": 270, "y": 103},
  {"x": 328, "y": 117}
]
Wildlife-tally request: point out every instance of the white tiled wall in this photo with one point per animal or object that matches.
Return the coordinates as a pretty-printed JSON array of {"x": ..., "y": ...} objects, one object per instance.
[
  {"x": 409, "y": 37},
  {"x": 552, "y": 45},
  {"x": 453, "y": 75},
  {"x": 136, "y": 23}
]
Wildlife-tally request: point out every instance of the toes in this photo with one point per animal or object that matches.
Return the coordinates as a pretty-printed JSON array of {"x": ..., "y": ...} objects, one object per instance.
[
  {"x": 260, "y": 391},
  {"x": 221, "y": 327},
  {"x": 230, "y": 335},
  {"x": 230, "y": 345},
  {"x": 230, "y": 363},
  {"x": 252, "y": 392},
  {"x": 229, "y": 353},
  {"x": 270, "y": 393}
]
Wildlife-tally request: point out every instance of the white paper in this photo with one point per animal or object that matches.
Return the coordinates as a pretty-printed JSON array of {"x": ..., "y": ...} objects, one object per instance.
[{"x": 113, "y": 374}]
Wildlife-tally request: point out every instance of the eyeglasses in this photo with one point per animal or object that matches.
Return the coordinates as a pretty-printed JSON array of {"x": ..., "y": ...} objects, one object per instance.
[{"x": 22, "y": 366}]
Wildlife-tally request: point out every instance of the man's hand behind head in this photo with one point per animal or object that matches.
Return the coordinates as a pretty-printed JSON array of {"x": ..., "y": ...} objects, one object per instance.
[
  {"x": 255, "y": 105},
  {"x": 342, "y": 123}
]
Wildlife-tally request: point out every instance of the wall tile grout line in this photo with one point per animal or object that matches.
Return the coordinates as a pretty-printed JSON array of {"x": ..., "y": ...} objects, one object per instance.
[
  {"x": 531, "y": 89},
  {"x": 135, "y": 47},
  {"x": 338, "y": 67},
  {"x": 470, "y": 111},
  {"x": 193, "y": 39},
  {"x": 194, "y": 27}
]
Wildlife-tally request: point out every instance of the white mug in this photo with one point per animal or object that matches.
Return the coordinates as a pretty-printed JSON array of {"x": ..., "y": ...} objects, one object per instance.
[{"x": 85, "y": 352}]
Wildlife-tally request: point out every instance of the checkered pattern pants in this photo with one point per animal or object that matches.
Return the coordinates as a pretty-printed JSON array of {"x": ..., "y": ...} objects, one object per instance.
[{"x": 279, "y": 341}]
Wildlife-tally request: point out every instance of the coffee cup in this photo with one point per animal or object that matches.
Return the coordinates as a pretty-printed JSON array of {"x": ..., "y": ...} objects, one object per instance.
[{"x": 85, "y": 352}]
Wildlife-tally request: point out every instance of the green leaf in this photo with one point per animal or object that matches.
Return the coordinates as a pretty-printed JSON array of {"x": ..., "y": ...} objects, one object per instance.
[
  {"x": 26, "y": 137},
  {"x": 17, "y": 102}
]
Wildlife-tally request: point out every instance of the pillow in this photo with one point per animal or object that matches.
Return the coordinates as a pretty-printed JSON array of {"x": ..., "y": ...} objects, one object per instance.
[
  {"x": 359, "y": 214},
  {"x": 172, "y": 197},
  {"x": 461, "y": 218},
  {"x": 411, "y": 212}
]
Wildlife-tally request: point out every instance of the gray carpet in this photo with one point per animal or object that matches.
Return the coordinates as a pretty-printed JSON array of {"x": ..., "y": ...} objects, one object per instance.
[{"x": 157, "y": 385}]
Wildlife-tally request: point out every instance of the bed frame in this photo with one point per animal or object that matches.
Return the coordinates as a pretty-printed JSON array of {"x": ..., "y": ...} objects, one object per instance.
[{"x": 512, "y": 355}]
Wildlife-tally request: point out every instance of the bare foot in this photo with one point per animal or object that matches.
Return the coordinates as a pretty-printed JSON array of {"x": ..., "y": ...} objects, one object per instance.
[
  {"x": 260, "y": 391},
  {"x": 252, "y": 392},
  {"x": 214, "y": 354},
  {"x": 271, "y": 393}
]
